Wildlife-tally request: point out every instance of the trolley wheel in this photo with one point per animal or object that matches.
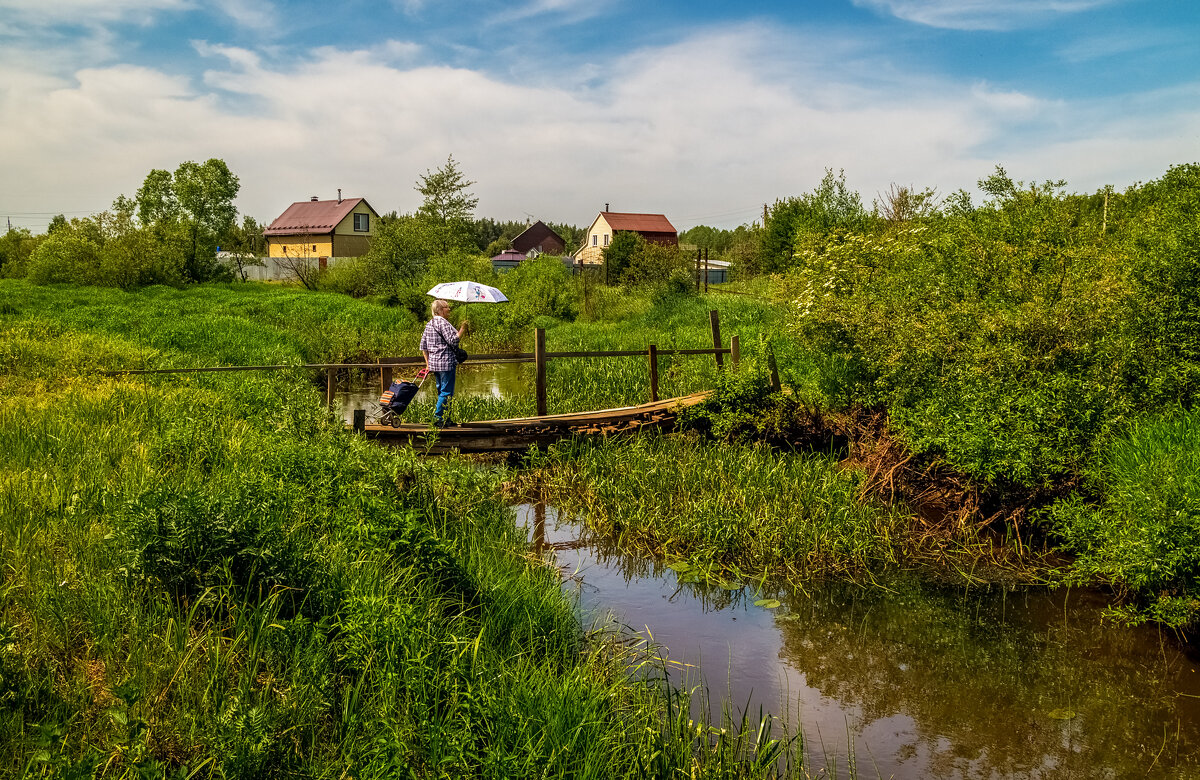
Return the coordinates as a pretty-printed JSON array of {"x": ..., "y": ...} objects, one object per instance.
[
  {"x": 387, "y": 418},
  {"x": 396, "y": 421}
]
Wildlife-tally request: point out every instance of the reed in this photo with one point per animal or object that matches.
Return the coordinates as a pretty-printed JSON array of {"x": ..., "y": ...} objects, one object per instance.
[{"x": 721, "y": 507}]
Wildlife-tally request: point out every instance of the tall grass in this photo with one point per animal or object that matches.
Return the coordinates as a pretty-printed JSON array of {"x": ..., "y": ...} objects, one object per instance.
[
  {"x": 721, "y": 507},
  {"x": 206, "y": 576},
  {"x": 1142, "y": 536}
]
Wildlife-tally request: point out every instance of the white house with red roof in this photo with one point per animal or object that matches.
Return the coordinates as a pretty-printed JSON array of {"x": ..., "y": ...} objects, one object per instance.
[
  {"x": 322, "y": 229},
  {"x": 655, "y": 228}
]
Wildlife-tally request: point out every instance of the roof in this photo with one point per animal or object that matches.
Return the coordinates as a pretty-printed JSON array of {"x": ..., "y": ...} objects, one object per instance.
[
  {"x": 535, "y": 235},
  {"x": 313, "y": 217},
  {"x": 641, "y": 223},
  {"x": 509, "y": 255}
]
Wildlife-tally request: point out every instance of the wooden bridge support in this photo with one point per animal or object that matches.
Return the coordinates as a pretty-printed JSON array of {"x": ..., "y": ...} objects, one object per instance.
[
  {"x": 539, "y": 360},
  {"x": 714, "y": 321},
  {"x": 653, "y": 372},
  {"x": 330, "y": 379}
]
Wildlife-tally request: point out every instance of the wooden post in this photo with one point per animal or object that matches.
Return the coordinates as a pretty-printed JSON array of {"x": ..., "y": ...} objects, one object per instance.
[
  {"x": 706, "y": 270},
  {"x": 735, "y": 351},
  {"x": 714, "y": 320},
  {"x": 329, "y": 380},
  {"x": 360, "y": 420},
  {"x": 385, "y": 378},
  {"x": 776, "y": 385},
  {"x": 653, "y": 372},
  {"x": 539, "y": 360}
]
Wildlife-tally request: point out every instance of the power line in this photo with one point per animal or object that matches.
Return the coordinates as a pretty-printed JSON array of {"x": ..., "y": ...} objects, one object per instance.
[
  {"x": 47, "y": 213},
  {"x": 750, "y": 210}
]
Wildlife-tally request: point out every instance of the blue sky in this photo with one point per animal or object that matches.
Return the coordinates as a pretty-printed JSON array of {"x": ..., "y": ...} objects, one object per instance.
[{"x": 701, "y": 110}]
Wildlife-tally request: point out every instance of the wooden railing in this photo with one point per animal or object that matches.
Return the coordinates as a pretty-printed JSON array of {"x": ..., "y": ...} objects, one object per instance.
[{"x": 539, "y": 357}]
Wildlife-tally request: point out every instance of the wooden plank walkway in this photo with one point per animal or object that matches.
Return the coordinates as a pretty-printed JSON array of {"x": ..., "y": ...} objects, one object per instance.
[{"x": 522, "y": 432}]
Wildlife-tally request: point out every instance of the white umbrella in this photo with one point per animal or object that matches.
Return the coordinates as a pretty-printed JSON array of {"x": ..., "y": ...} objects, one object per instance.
[{"x": 467, "y": 292}]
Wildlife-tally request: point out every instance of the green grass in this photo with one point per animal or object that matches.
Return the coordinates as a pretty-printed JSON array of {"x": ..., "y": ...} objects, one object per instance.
[
  {"x": 1142, "y": 535},
  {"x": 721, "y": 507},
  {"x": 207, "y": 576}
]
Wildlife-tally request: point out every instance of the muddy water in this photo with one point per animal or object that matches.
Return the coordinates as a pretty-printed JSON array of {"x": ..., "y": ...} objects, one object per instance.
[
  {"x": 913, "y": 679},
  {"x": 496, "y": 380}
]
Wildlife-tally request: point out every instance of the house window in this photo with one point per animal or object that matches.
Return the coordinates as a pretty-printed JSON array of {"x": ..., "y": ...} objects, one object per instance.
[
  {"x": 595, "y": 239},
  {"x": 606, "y": 239},
  {"x": 362, "y": 223}
]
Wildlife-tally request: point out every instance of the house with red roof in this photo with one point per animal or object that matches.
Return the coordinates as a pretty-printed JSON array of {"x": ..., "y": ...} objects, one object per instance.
[
  {"x": 655, "y": 228},
  {"x": 322, "y": 229},
  {"x": 538, "y": 239}
]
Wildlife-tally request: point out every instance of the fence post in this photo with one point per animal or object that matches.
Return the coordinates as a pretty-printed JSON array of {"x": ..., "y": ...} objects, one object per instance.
[
  {"x": 714, "y": 320},
  {"x": 360, "y": 420},
  {"x": 539, "y": 359},
  {"x": 385, "y": 377},
  {"x": 735, "y": 351},
  {"x": 653, "y": 372},
  {"x": 776, "y": 385},
  {"x": 329, "y": 380},
  {"x": 706, "y": 270}
]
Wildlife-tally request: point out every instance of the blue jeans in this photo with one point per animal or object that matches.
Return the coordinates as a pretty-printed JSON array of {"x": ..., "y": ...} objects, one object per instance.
[{"x": 445, "y": 387}]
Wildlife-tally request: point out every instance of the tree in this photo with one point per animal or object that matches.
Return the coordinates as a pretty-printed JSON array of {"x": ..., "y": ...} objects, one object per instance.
[
  {"x": 15, "y": 248},
  {"x": 156, "y": 200},
  {"x": 193, "y": 206},
  {"x": 831, "y": 206},
  {"x": 448, "y": 206},
  {"x": 620, "y": 253},
  {"x": 446, "y": 194},
  {"x": 246, "y": 245}
]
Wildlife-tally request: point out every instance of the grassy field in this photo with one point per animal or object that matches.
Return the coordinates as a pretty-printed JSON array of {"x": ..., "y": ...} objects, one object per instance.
[{"x": 207, "y": 577}]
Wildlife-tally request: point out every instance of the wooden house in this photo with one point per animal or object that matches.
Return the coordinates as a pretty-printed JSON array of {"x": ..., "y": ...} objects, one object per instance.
[
  {"x": 655, "y": 228},
  {"x": 539, "y": 239},
  {"x": 323, "y": 229}
]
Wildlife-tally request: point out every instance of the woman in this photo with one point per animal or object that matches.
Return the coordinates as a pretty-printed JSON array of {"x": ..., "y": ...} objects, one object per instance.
[{"x": 437, "y": 345}]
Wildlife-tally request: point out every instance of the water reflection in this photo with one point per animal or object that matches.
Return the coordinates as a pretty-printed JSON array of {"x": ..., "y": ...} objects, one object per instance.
[{"x": 923, "y": 680}]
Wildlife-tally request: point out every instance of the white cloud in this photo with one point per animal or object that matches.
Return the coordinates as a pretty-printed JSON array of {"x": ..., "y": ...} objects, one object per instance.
[
  {"x": 257, "y": 14},
  {"x": 84, "y": 12},
  {"x": 567, "y": 10},
  {"x": 979, "y": 14},
  {"x": 707, "y": 129}
]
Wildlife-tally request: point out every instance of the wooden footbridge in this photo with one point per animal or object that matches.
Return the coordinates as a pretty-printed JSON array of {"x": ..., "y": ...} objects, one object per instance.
[
  {"x": 517, "y": 433},
  {"x": 524, "y": 432}
]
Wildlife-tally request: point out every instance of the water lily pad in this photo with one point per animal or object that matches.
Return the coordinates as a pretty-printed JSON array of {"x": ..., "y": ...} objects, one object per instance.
[
  {"x": 1061, "y": 714},
  {"x": 726, "y": 585},
  {"x": 679, "y": 566},
  {"x": 767, "y": 603}
]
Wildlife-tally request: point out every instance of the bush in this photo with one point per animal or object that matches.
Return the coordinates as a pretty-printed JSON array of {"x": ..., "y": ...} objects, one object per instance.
[
  {"x": 65, "y": 257},
  {"x": 350, "y": 277},
  {"x": 1143, "y": 535}
]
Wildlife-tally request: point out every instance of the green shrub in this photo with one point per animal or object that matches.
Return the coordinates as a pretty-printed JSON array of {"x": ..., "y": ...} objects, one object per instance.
[
  {"x": 66, "y": 257},
  {"x": 1142, "y": 535}
]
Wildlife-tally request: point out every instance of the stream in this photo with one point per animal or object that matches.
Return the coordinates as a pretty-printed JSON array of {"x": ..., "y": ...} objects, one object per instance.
[
  {"x": 903, "y": 679},
  {"x": 908, "y": 678}
]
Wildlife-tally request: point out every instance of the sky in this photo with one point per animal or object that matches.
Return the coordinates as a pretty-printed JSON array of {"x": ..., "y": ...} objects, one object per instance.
[{"x": 700, "y": 110}]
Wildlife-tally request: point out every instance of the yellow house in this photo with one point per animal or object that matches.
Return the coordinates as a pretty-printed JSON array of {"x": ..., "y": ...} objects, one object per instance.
[
  {"x": 655, "y": 228},
  {"x": 323, "y": 229}
]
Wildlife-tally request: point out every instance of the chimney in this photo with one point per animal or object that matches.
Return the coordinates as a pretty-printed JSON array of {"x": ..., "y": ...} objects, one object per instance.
[
  {"x": 339, "y": 194},
  {"x": 605, "y": 208},
  {"x": 314, "y": 198}
]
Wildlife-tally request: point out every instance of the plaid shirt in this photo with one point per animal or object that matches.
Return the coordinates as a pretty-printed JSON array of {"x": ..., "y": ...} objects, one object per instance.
[{"x": 436, "y": 342}]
